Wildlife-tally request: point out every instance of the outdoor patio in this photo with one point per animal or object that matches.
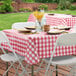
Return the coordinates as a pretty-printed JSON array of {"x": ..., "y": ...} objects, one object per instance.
[
  {"x": 38, "y": 29},
  {"x": 63, "y": 69}
]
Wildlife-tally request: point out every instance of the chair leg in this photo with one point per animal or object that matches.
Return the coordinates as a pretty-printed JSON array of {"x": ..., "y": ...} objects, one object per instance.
[
  {"x": 56, "y": 70},
  {"x": 8, "y": 69},
  {"x": 23, "y": 69},
  {"x": 39, "y": 68},
  {"x": 16, "y": 70},
  {"x": 51, "y": 73}
]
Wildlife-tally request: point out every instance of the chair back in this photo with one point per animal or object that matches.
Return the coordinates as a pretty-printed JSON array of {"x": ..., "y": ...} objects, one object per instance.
[
  {"x": 67, "y": 39},
  {"x": 74, "y": 28},
  {"x": 4, "y": 38}
]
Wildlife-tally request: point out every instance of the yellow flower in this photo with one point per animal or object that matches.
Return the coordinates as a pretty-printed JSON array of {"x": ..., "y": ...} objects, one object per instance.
[{"x": 38, "y": 15}]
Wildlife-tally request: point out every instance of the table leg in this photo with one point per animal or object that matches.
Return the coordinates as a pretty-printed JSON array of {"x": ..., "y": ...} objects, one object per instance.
[
  {"x": 6, "y": 64},
  {"x": 56, "y": 70},
  {"x": 32, "y": 71},
  {"x": 7, "y": 68}
]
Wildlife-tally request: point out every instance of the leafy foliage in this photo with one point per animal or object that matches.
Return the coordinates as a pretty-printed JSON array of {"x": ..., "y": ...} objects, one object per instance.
[
  {"x": 43, "y": 6},
  {"x": 6, "y": 7},
  {"x": 72, "y": 7},
  {"x": 25, "y": 9},
  {"x": 42, "y": 1},
  {"x": 52, "y": 1},
  {"x": 64, "y": 4},
  {"x": 31, "y": 1}
]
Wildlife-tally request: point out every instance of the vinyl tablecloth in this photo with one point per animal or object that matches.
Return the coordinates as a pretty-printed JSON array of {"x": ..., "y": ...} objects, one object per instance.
[
  {"x": 36, "y": 46},
  {"x": 55, "y": 20}
]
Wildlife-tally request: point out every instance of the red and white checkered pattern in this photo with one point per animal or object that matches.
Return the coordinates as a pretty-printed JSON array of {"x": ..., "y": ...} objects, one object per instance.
[
  {"x": 70, "y": 21},
  {"x": 31, "y": 18},
  {"x": 57, "y": 20},
  {"x": 36, "y": 46}
]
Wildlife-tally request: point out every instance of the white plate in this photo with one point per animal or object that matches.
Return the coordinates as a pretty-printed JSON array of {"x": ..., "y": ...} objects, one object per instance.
[
  {"x": 31, "y": 27},
  {"x": 55, "y": 31},
  {"x": 24, "y": 30},
  {"x": 64, "y": 27}
]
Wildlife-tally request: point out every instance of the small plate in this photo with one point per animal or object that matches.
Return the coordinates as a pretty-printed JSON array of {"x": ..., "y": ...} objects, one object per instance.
[
  {"x": 24, "y": 30},
  {"x": 55, "y": 32},
  {"x": 64, "y": 27},
  {"x": 31, "y": 27}
]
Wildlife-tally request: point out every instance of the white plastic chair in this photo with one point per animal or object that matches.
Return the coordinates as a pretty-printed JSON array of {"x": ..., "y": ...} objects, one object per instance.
[
  {"x": 11, "y": 57},
  {"x": 22, "y": 25},
  {"x": 63, "y": 40},
  {"x": 74, "y": 28}
]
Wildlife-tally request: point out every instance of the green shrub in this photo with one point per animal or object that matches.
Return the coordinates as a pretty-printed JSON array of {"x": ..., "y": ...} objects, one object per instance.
[
  {"x": 22, "y": 9},
  {"x": 25, "y": 9},
  {"x": 7, "y": 7},
  {"x": 28, "y": 9},
  {"x": 68, "y": 4},
  {"x": 61, "y": 7},
  {"x": 2, "y": 10},
  {"x": 43, "y": 6},
  {"x": 64, "y": 4},
  {"x": 1, "y": 1},
  {"x": 72, "y": 7}
]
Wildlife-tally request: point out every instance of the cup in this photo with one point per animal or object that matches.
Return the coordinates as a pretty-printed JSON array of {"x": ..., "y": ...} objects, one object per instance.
[{"x": 46, "y": 28}]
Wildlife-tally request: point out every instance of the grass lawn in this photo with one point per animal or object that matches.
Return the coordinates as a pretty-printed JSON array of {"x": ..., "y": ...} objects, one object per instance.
[
  {"x": 63, "y": 12},
  {"x": 6, "y": 20}
]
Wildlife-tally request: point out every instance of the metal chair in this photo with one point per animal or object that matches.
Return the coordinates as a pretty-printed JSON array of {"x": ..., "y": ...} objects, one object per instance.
[
  {"x": 63, "y": 40},
  {"x": 11, "y": 57}
]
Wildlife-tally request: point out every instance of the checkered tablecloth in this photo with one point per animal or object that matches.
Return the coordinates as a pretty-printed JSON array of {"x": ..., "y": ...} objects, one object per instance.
[
  {"x": 36, "y": 46},
  {"x": 57, "y": 19},
  {"x": 31, "y": 18},
  {"x": 54, "y": 20}
]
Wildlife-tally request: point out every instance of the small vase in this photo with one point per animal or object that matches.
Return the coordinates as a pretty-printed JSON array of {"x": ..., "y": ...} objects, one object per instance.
[{"x": 38, "y": 26}]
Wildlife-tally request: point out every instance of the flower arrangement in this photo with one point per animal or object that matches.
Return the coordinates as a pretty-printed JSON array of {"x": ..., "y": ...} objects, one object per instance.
[{"x": 38, "y": 15}]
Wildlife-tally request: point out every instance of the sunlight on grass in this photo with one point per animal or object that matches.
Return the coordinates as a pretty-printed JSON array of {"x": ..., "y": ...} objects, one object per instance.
[
  {"x": 6, "y": 20},
  {"x": 63, "y": 12}
]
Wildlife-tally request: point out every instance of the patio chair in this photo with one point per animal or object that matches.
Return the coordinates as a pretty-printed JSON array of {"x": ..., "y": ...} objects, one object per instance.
[
  {"x": 11, "y": 57},
  {"x": 22, "y": 25},
  {"x": 74, "y": 28},
  {"x": 63, "y": 40}
]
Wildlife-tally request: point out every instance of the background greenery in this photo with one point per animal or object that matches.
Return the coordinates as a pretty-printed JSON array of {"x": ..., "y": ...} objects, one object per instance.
[
  {"x": 6, "y": 20},
  {"x": 62, "y": 5},
  {"x": 42, "y": 1}
]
